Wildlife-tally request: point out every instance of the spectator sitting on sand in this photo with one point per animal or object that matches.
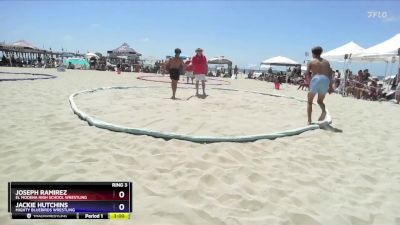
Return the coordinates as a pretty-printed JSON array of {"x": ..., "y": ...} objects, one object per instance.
[
  {"x": 360, "y": 75},
  {"x": 373, "y": 90},
  {"x": 305, "y": 83},
  {"x": 366, "y": 76},
  {"x": 3, "y": 60},
  {"x": 71, "y": 66}
]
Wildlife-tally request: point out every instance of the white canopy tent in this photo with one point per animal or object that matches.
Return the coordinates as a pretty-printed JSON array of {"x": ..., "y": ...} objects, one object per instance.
[
  {"x": 387, "y": 51},
  {"x": 24, "y": 44},
  {"x": 343, "y": 54},
  {"x": 265, "y": 67},
  {"x": 251, "y": 66},
  {"x": 221, "y": 60},
  {"x": 280, "y": 61},
  {"x": 338, "y": 54},
  {"x": 384, "y": 51},
  {"x": 90, "y": 55},
  {"x": 149, "y": 61}
]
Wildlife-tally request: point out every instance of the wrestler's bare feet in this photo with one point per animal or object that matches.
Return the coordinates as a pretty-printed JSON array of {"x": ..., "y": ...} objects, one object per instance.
[
  {"x": 322, "y": 117},
  {"x": 173, "y": 98}
]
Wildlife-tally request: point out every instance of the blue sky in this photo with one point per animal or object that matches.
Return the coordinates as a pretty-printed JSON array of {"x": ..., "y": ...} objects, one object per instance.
[{"x": 246, "y": 32}]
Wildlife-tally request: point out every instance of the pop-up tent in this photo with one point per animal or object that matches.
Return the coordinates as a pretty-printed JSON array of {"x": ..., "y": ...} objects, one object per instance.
[
  {"x": 221, "y": 60},
  {"x": 387, "y": 51},
  {"x": 338, "y": 54},
  {"x": 132, "y": 56},
  {"x": 77, "y": 62},
  {"x": 265, "y": 67},
  {"x": 125, "y": 50},
  {"x": 90, "y": 55},
  {"x": 251, "y": 66},
  {"x": 280, "y": 61},
  {"x": 24, "y": 44},
  {"x": 384, "y": 51},
  {"x": 343, "y": 54}
]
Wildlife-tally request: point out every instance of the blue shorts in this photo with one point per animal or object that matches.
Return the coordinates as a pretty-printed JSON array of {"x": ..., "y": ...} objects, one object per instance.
[{"x": 319, "y": 84}]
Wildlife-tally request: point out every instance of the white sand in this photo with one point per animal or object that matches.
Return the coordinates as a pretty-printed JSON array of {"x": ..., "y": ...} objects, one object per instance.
[
  {"x": 318, "y": 177},
  {"x": 151, "y": 108}
]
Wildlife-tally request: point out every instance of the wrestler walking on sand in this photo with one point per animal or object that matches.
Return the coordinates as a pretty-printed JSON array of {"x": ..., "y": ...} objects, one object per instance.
[
  {"x": 321, "y": 81},
  {"x": 173, "y": 66}
]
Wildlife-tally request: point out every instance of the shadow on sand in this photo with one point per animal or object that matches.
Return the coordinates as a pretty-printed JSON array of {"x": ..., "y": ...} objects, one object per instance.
[
  {"x": 328, "y": 127},
  {"x": 202, "y": 96}
]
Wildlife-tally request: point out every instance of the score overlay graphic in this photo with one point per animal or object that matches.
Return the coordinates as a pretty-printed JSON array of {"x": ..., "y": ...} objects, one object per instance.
[{"x": 70, "y": 200}]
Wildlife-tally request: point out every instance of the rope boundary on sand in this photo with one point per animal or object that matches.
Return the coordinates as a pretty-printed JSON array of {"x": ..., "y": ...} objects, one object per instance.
[
  {"x": 192, "y": 138},
  {"x": 161, "y": 81},
  {"x": 45, "y": 76}
]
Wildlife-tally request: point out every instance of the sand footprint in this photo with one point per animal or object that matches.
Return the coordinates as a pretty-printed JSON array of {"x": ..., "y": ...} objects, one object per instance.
[
  {"x": 251, "y": 205},
  {"x": 228, "y": 198},
  {"x": 124, "y": 159},
  {"x": 255, "y": 178},
  {"x": 192, "y": 197},
  {"x": 303, "y": 219},
  {"x": 209, "y": 180},
  {"x": 369, "y": 178}
]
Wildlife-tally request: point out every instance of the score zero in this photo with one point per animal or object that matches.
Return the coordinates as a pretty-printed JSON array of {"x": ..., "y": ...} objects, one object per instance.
[{"x": 121, "y": 194}]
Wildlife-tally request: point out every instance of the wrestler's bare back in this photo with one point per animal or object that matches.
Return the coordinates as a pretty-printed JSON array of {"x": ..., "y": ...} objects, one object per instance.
[{"x": 320, "y": 66}]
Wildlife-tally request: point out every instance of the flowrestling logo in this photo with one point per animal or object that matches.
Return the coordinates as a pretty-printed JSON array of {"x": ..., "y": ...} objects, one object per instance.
[{"x": 378, "y": 14}]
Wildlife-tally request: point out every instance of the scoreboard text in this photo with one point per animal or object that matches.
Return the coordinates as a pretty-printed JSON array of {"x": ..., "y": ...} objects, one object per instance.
[{"x": 70, "y": 200}]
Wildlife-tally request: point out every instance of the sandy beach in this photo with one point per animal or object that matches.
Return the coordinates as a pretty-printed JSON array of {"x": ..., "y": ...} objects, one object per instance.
[{"x": 319, "y": 177}]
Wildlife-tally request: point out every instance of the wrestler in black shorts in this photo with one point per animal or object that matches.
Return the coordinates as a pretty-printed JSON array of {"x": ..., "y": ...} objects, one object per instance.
[{"x": 174, "y": 74}]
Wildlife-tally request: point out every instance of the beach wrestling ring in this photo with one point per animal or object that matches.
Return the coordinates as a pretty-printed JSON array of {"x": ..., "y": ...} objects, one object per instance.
[
  {"x": 166, "y": 79},
  {"x": 43, "y": 76},
  {"x": 193, "y": 138}
]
